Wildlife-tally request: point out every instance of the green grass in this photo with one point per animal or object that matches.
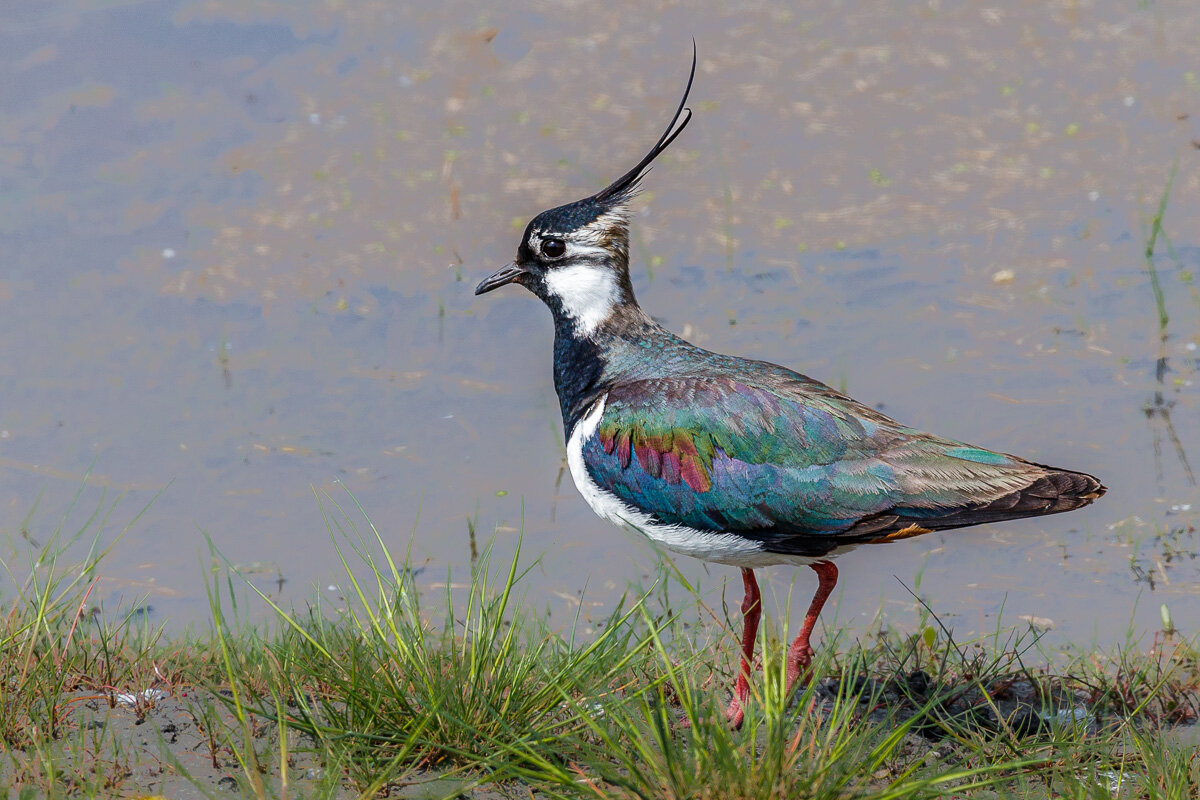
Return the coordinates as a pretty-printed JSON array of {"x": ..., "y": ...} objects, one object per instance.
[
  {"x": 47, "y": 633},
  {"x": 381, "y": 687},
  {"x": 56, "y": 650},
  {"x": 439, "y": 693},
  {"x": 1156, "y": 230}
]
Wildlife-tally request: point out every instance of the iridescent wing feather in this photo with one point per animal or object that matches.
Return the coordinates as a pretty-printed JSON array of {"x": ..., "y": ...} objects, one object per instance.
[{"x": 801, "y": 468}]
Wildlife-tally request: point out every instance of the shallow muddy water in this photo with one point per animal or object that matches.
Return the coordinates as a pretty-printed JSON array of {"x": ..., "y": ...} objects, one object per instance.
[{"x": 240, "y": 241}]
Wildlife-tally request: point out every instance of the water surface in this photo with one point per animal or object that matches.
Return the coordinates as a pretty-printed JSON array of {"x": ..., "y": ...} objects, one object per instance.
[{"x": 239, "y": 243}]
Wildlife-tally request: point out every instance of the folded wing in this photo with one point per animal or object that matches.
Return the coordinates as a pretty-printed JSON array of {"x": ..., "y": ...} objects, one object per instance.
[{"x": 803, "y": 469}]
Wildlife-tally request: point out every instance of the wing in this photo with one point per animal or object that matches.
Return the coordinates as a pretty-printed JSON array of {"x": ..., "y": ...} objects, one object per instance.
[{"x": 802, "y": 468}]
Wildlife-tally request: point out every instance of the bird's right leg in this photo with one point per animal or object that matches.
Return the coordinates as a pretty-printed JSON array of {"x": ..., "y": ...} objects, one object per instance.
[
  {"x": 751, "y": 612},
  {"x": 800, "y": 653}
]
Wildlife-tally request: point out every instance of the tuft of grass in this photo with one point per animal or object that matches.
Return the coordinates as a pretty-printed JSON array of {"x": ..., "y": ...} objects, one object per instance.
[
  {"x": 385, "y": 690},
  {"x": 57, "y": 650}
]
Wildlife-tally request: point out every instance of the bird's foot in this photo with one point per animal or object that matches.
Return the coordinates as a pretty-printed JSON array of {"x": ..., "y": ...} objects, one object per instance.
[
  {"x": 735, "y": 714},
  {"x": 799, "y": 665}
]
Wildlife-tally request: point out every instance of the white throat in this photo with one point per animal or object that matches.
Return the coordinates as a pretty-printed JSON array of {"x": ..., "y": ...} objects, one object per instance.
[{"x": 587, "y": 293}]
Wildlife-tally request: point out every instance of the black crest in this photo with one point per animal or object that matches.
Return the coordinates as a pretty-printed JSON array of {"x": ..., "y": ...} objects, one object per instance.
[
  {"x": 575, "y": 215},
  {"x": 626, "y": 185}
]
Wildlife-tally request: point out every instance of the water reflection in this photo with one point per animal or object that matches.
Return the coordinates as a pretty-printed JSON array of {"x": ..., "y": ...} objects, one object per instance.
[{"x": 1158, "y": 410}]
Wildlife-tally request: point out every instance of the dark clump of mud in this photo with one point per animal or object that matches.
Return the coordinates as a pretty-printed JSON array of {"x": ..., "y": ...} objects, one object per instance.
[{"x": 1018, "y": 705}]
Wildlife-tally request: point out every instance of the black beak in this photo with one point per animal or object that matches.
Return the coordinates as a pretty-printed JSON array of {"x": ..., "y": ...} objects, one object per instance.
[{"x": 504, "y": 275}]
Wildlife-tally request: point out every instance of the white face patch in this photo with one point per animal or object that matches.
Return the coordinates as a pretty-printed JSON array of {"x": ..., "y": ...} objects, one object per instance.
[{"x": 588, "y": 294}]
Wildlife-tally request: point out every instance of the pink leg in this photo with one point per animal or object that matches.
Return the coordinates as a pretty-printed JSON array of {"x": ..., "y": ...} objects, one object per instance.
[
  {"x": 801, "y": 652},
  {"x": 751, "y": 612}
]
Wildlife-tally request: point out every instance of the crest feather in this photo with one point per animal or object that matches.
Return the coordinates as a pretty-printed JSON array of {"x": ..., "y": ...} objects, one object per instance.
[{"x": 626, "y": 186}]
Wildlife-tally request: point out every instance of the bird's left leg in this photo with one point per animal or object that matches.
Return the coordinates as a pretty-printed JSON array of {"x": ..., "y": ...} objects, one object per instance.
[
  {"x": 751, "y": 613},
  {"x": 800, "y": 653}
]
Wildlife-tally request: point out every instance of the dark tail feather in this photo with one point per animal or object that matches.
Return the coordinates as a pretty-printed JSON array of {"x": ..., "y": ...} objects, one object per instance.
[
  {"x": 1064, "y": 490},
  {"x": 1053, "y": 492}
]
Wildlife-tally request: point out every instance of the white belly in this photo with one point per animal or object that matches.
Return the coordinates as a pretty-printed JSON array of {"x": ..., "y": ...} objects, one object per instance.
[{"x": 722, "y": 548}]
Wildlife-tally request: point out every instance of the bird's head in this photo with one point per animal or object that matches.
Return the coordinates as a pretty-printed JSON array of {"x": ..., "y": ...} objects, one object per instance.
[{"x": 576, "y": 257}]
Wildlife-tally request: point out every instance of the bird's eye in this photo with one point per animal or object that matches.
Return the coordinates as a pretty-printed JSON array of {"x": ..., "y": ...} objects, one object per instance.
[{"x": 554, "y": 248}]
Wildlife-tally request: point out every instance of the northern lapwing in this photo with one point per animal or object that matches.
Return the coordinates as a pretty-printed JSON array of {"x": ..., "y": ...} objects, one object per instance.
[{"x": 732, "y": 460}]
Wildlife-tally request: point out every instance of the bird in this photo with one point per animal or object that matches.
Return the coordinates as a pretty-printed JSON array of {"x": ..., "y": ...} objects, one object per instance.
[{"x": 737, "y": 461}]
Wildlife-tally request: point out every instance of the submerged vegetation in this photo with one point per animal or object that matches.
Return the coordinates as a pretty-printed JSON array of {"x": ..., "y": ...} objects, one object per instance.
[{"x": 396, "y": 692}]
